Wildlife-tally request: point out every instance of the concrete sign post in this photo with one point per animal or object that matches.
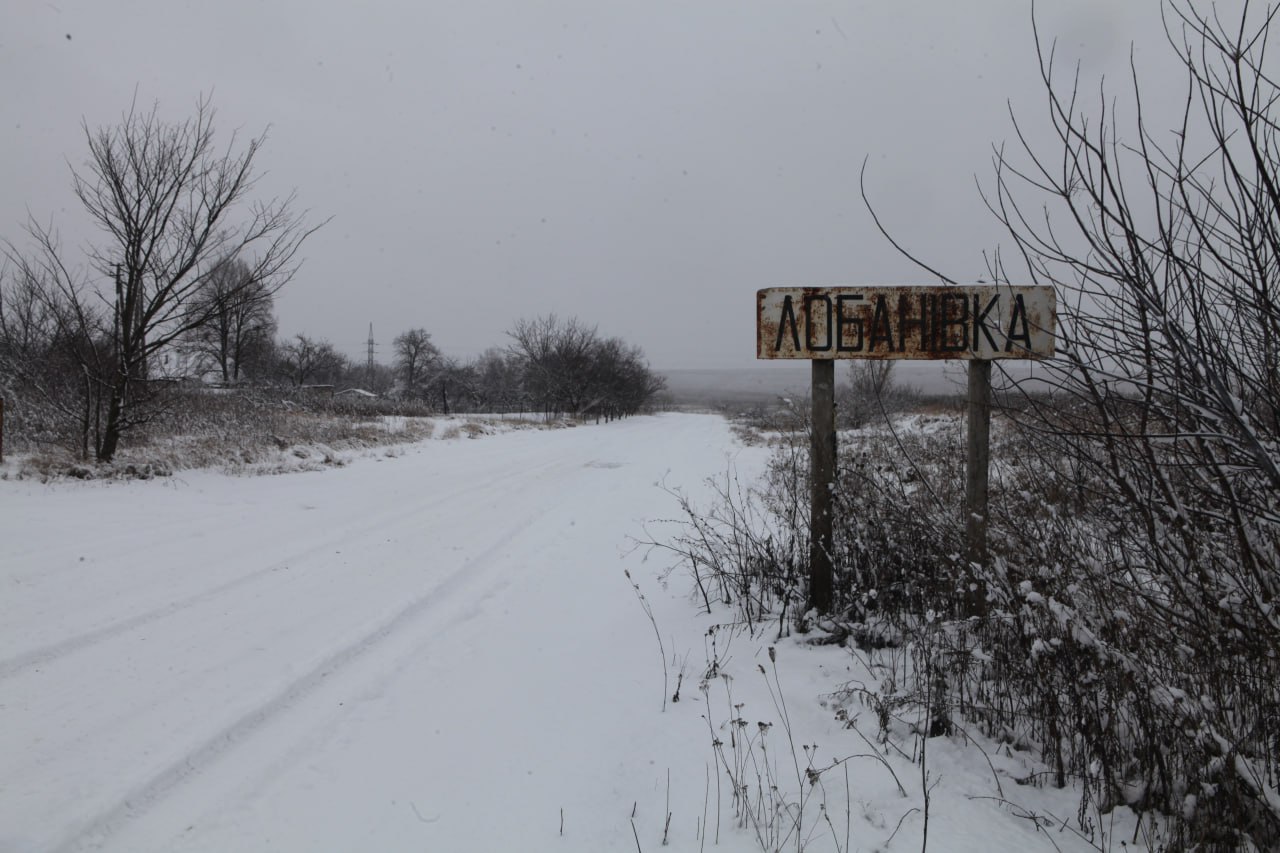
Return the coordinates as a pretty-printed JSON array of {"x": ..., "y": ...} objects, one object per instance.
[{"x": 977, "y": 323}]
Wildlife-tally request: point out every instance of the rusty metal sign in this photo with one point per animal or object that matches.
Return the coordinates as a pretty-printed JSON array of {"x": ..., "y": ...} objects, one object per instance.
[{"x": 966, "y": 322}]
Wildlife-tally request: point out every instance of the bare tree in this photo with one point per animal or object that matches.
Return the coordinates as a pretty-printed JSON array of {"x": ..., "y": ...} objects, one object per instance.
[
  {"x": 305, "y": 361},
  {"x": 621, "y": 382},
  {"x": 567, "y": 367},
  {"x": 240, "y": 330},
  {"x": 452, "y": 382},
  {"x": 557, "y": 359},
  {"x": 414, "y": 355},
  {"x": 45, "y": 348},
  {"x": 172, "y": 205},
  {"x": 380, "y": 380},
  {"x": 498, "y": 381}
]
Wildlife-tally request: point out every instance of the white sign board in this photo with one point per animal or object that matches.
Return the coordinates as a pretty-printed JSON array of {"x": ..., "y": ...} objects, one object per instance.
[{"x": 966, "y": 322}]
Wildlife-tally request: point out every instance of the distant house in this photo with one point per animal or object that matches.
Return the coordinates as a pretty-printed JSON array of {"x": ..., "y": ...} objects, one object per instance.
[
  {"x": 358, "y": 393},
  {"x": 174, "y": 362}
]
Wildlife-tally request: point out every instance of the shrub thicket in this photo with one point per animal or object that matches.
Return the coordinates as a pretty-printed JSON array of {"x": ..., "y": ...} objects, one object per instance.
[
  {"x": 1132, "y": 634},
  {"x": 1122, "y": 673}
]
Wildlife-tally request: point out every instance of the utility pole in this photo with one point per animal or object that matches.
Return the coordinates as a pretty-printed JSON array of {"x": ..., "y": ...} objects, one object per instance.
[{"x": 368, "y": 368}]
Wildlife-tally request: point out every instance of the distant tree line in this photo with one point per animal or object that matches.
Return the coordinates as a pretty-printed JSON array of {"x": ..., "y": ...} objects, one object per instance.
[
  {"x": 181, "y": 287},
  {"x": 565, "y": 366},
  {"x": 552, "y": 366}
]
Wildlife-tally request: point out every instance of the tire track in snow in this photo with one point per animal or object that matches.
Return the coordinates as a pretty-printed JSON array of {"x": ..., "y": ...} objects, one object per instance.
[
  {"x": 53, "y": 651},
  {"x": 306, "y": 743},
  {"x": 98, "y": 831}
]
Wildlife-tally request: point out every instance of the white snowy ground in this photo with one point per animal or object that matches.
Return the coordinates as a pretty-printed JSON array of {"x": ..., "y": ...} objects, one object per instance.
[{"x": 432, "y": 652}]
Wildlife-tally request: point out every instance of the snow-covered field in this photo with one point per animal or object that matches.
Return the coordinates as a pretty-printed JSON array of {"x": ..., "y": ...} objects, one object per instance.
[{"x": 433, "y": 652}]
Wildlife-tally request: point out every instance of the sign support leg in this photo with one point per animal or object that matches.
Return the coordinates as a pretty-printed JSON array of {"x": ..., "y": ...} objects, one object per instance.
[
  {"x": 977, "y": 464},
  {"x": 822, "y": 468}
]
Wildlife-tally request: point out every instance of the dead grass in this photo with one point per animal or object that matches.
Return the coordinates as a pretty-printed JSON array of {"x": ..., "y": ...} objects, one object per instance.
[{"x": 250, "y": 435}]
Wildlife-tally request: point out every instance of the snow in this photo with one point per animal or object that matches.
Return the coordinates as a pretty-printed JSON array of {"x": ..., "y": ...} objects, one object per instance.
[{"x": 436, "y": 651}]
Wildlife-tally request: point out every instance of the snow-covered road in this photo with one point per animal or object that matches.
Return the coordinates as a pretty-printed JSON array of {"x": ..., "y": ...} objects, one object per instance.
[
  {"x": 438, "y": 651},
  {"x": 432, "y": 652}
]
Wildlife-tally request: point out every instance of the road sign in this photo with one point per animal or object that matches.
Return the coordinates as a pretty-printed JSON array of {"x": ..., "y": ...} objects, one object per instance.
[
  {"x": 979, "y": 323},
  {"x": 966, "y": 322}
]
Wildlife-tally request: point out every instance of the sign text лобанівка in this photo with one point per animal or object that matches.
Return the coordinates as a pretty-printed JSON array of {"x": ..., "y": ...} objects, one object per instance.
[{"x": 966, "y": 322}]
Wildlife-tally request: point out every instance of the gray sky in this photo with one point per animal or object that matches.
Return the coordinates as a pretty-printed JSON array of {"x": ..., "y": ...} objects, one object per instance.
[{"x": 643, "y": 165}]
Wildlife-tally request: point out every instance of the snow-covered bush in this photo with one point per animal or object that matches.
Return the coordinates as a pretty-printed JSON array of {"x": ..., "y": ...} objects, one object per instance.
[
  {"x": 1131, "y": 623},
  {"x": 1125, "y": 667}
]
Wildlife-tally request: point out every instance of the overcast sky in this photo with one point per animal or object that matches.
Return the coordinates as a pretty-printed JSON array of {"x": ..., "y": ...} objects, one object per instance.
[{"x": 645, "y": 166}]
